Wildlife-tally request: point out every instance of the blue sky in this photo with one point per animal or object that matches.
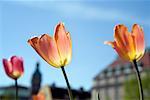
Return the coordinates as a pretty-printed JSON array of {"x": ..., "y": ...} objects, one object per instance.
[{"x": 90, "y": 24}]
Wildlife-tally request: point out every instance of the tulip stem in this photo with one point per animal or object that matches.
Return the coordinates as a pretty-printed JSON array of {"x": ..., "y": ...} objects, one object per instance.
[
  {"x": 139, "y": 80},
  {"x": 16, "y": 85},
  {"x": 98, "y": 96},
  {"x": 67, "y": 82}
]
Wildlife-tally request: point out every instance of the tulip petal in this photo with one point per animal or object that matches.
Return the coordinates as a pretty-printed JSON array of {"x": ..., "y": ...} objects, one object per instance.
[
  {"x": 49, "y": 48},
  {"x": 34, "y": 42},
  {"x": 7, "y": 66},
  {"x": 121, "y": 52},
  {"x": 64, "y": 44},
  {"x": 120, "y": 31},
  {"x": 109, "y": 43},
  {"x": 46, "y": 47},
  {"x": 124, "y": 41},
  {"x": 138, "y": 36},
  {"x": 130, "y": 46},
  {"x": 17, "y": 63}
]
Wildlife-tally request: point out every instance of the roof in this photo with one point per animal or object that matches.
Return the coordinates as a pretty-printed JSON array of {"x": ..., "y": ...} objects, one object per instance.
[
  {"x": 144, "y": 62},
  {"x": 13, "y": 87}
]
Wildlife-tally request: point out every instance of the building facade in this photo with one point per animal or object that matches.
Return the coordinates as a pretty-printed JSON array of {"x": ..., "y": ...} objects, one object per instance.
[
  {"x": 58, "y": 93},
  {"x": 8, "y": 93},
  {"x": 109, "y": 83}
]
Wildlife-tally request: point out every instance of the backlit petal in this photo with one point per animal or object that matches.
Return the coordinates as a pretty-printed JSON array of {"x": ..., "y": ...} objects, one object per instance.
[
  {"x": 138, "y": 36},
  {"x": 130, "y": 46},
  {"x": 49, "y": 48},
  {"x": 121, "y": 52},
  {"x": 64, "y": 43},
  {"x": 17, "y": 63},
  {"x": 34, "y": 42},
  {"x": 109, "y": 43},
  {"x": 120, "y": 30},
  {"x": 7, "y": 66}
]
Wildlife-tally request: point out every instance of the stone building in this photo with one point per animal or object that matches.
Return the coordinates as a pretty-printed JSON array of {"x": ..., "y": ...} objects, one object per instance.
[{"x": 109, "y": 83}]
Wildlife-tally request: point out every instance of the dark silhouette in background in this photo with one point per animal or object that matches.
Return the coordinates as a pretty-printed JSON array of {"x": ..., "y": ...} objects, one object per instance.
[{"x": 36, "y": 80}]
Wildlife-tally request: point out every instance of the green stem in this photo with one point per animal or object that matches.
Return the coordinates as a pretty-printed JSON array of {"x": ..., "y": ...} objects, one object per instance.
[
  {"x": 67, "y": 82},
  {"x": 98, "y": 96},
  {"x": 16, "y": 85},
  {"x": 139, "y": 80}
]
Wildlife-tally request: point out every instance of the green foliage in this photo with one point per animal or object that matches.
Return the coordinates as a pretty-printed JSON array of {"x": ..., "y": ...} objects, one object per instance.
[
  {"x": 9, "y": 95},
  {"x": 131, "y": 87}
]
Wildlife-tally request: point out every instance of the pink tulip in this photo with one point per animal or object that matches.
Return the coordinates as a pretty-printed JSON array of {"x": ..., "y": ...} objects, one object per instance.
[{"x": 13, "y": 67}]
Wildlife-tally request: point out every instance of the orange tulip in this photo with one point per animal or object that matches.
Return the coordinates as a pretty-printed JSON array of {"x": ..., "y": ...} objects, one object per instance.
[
  {"x": 39, "y": 96},
  {"x": 130, "y": 46},
  {"x": 13, "y": 67},
  {"x": 57, "y": 50}
]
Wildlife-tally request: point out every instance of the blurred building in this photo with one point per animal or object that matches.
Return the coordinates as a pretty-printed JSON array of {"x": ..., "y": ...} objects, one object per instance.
[
  {"x": 58, "y": 93},
  {"x": 109, "y": 83},
  {"x": 24, "y": 92},
  {"x": 8, "y": 92},
  {"x": 51, "y": 92}
]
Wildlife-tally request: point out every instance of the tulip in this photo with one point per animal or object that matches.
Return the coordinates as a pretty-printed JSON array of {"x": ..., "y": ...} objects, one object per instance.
[
  {"x": 14, "y": 69},
  {"x": 56, "y": 50},
  {"x": 130, "y": 46}
]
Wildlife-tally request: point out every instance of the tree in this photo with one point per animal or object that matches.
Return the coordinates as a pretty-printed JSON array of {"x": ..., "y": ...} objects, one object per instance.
[{"x": 131, "y": 87}]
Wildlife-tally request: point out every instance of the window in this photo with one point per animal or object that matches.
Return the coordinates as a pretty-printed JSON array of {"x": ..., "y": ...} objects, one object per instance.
[{"x": 128, "y": 69}]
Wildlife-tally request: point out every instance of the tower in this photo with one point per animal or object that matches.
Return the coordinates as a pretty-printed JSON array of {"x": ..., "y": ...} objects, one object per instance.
[{"x": 36, "y": 80}]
